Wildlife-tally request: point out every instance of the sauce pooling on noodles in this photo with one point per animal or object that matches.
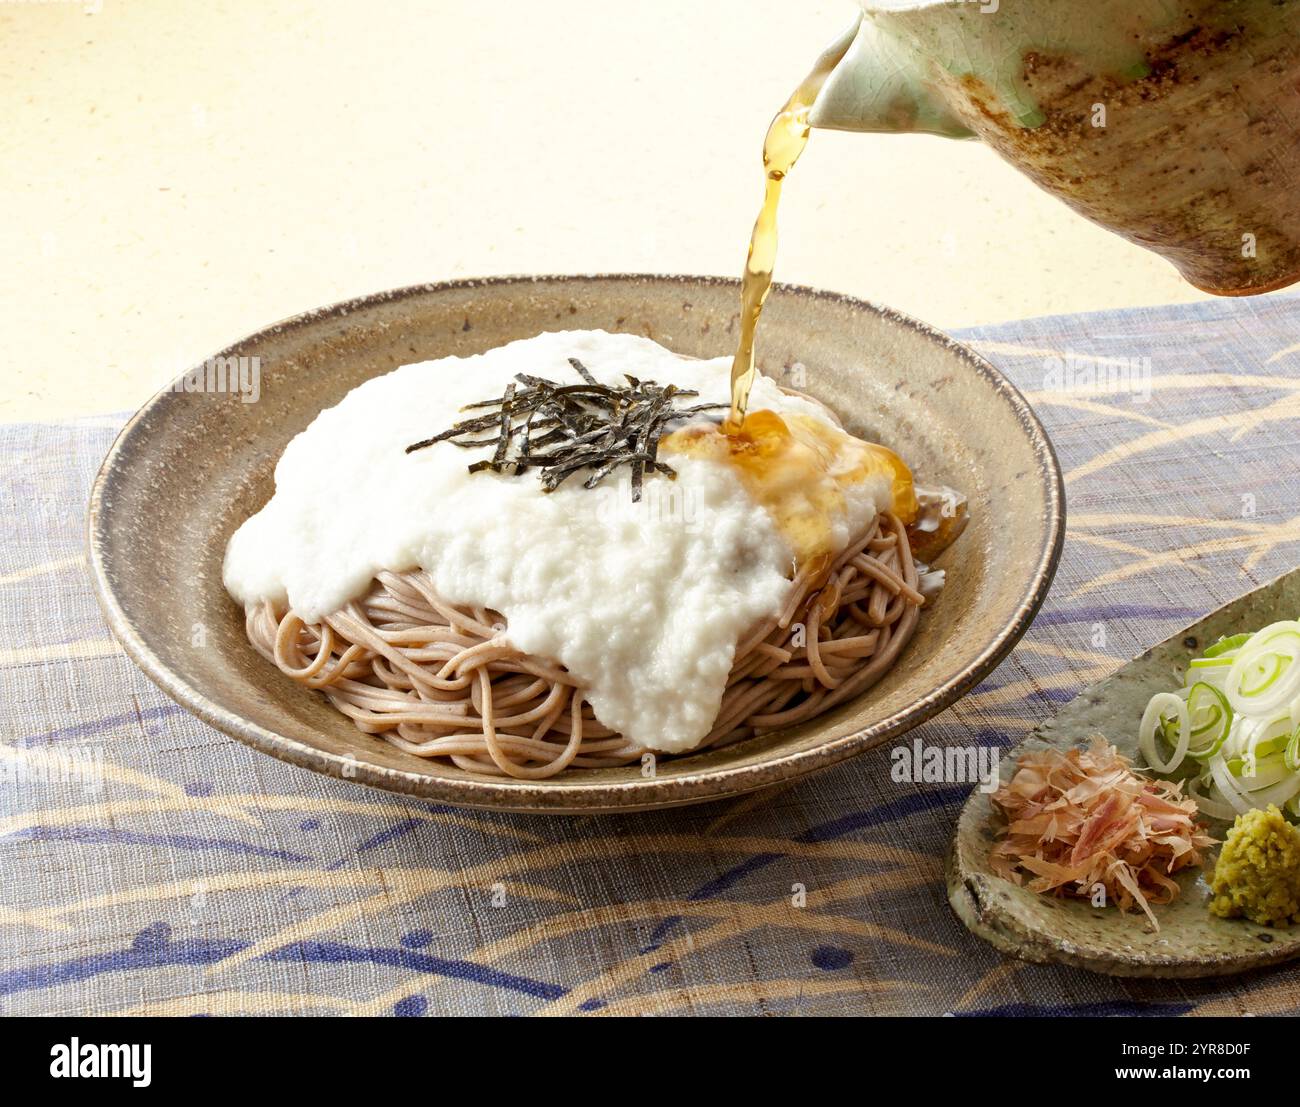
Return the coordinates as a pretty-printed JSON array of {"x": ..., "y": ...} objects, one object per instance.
[{"x": 798, "y": 468}]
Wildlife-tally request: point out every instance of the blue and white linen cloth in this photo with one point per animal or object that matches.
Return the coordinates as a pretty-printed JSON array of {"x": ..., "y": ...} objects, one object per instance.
[{"x": 149, "y": 864}]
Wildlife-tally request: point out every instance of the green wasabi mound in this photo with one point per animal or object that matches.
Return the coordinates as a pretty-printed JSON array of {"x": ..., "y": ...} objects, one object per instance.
[{"x": 1257, "y": 875}]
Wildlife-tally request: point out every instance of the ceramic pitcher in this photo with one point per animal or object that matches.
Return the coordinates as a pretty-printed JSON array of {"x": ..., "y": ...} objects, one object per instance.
[{"x": 1175, "y": 123}]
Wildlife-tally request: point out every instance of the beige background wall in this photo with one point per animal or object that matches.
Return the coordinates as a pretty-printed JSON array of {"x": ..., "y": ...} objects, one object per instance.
[{"x": 178, "y": 173}]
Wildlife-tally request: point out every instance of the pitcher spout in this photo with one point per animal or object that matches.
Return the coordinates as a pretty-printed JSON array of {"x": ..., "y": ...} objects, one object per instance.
[{"x": 880, "y": 85}]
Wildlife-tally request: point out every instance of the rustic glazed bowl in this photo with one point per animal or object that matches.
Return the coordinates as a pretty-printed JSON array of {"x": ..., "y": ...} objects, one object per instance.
[
  {"x": 1191, "y": 942},
  {"x": 190, "y": 467}
]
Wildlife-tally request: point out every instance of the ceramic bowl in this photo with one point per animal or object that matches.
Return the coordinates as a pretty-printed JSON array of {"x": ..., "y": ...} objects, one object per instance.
[{"x": 191, "y": 466}]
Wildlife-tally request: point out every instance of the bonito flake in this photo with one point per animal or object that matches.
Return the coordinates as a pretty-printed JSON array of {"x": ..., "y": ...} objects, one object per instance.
[{"x": 1084, "y": 818}]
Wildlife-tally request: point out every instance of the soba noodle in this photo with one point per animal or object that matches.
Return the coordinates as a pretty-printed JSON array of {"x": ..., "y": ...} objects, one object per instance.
[{"x": 440, "y": 680}]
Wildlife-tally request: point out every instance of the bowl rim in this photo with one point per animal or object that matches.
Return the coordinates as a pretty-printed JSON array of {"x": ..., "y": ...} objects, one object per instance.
[{"x": 569, "y": 794}]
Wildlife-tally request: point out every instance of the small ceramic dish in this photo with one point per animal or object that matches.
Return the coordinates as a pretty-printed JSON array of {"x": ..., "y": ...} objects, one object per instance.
[{"x": 1190, "y": 942}]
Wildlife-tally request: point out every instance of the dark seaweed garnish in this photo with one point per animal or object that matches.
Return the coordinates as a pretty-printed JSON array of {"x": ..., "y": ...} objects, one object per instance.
[{"x": 562, "y": 429}]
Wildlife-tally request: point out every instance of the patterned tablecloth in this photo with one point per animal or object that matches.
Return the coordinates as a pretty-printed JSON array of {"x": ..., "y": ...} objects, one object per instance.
[{"x": 149, "y": 864}]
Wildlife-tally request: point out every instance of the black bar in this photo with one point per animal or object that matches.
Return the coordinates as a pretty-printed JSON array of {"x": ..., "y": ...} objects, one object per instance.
[{"x": 1016, "y": 1057}]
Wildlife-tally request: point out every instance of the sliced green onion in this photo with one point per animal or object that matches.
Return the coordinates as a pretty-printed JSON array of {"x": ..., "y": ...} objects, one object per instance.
[
  {"x": 1292, "y": 752},
  {"x": 1153, "y": 717},
  {"x": 1264, "y": 678},
  {"x": 1265, "y": 737},
  {"x": 1279, "y": 793},
  {"x": 1224, "y": 662},
  {"x": 1213, "y": 671},
  {"x": 1262, "y": 675},
  {"x": 1265, "y": 773},
  {"x": 1223, "y": 645},
  {"x": 1228, "y": 787},
  {"x": 1210, "y": 719},
  {"x": 1238, "y": 715},
  {"x": 1208, "y": 805}
]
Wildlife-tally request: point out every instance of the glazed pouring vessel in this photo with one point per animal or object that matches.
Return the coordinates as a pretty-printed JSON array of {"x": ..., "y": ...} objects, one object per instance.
[{"x": 1175, "y": 123}]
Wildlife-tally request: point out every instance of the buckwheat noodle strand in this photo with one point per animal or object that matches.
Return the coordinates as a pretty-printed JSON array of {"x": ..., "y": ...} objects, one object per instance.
[{"x": 440, "y": 680}]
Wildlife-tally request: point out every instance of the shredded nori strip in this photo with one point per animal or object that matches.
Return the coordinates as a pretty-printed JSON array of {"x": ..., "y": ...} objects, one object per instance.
[
  {"x": 503, "y": 442},
  {"x": 561, "y": 429},
  {"x": 583, "y": 371}
]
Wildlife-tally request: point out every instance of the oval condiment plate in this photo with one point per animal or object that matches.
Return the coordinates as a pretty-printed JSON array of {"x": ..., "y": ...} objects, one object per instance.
[{"x": 1190, "y": 942}]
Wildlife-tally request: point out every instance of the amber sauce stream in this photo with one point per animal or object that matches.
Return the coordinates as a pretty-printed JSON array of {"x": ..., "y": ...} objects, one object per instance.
[
  {"x": 797, "y": 467},
  {"x": 787, "y": 135}
]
